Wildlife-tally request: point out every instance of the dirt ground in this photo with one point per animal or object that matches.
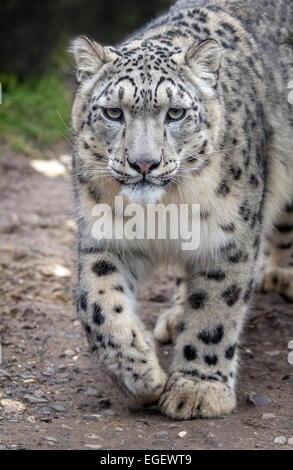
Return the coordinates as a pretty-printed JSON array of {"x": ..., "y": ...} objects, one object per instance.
[{"x": 46, "y": 365}]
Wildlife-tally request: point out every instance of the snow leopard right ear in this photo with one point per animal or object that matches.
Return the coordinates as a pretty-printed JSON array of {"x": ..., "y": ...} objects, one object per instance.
[
  {"x": 205, "y": 59},
  {"x": 89, "y": 57}
]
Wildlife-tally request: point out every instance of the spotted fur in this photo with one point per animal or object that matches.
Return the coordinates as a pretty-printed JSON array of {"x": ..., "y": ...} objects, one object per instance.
[{"x": 228, "y": 64}]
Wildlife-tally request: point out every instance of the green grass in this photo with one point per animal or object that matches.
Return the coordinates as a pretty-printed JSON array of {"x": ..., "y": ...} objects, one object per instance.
[{"x": 30, "y": 113}]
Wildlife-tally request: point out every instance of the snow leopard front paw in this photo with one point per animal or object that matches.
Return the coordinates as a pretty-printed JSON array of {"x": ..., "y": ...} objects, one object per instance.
[{"x": 186, "y": 399}]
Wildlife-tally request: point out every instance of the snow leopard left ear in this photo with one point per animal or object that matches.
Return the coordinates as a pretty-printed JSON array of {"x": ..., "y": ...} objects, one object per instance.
[{"x": 205, "y": 59}]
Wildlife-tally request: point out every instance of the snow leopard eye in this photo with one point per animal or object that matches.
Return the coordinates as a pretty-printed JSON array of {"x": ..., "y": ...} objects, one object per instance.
[
  {"x": 175, "y": 114},
  {"x": 113, "y": 113}
]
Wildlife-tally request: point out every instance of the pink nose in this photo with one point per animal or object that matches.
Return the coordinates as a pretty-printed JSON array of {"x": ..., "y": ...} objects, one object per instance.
[{"x": 144, "y": 168}]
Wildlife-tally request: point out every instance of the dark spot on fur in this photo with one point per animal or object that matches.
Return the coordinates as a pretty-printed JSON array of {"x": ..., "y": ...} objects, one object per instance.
[
  {"x": 118, "y": 308},
  {"x": 119, "y": 288},
  {"x": 212, "y": 336},
  {"x": 210, "y": 360},
  {"x": 87, "y": 328},
  {"x": 103, "y": 268},
  {"x": 198, "y": 299},
  {"x": 248, "y": 292},
  {"x": 284, "y": 228},
  {"x": 83, "y": 301},
  {"x": 215, "y": 275},
  {"x": 180, "y": 327},
  {"x": 189, "y": 352},
  {"x": 229, "y": 353},
  {"x": 236, "y": 257},
  {"x": 231, "y": 295},
  {"x": 180, "y": 405},
  {"x": 98, "y": 317},
  {"x": 228, "y": 227},
  {"x": 222, "y": 189}
]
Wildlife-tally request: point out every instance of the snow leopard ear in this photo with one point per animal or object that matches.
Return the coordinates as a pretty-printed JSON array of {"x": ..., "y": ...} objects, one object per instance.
[
  {"x": 205, "y": 59},
  {"x": 89, "y": 57}
]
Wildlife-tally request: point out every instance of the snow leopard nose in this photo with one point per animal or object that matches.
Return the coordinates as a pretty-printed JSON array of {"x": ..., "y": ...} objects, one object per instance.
[{"x": 144, "y": 166}]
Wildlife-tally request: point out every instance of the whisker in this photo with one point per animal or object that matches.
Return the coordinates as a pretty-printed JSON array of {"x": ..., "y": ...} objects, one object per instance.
[{"x": 211, "y": 153}]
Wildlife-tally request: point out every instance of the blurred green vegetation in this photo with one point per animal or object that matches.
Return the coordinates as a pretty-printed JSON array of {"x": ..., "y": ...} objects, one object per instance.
[
  {"x": 36, "y": 72},
  {"x": 34, "y": 113}
]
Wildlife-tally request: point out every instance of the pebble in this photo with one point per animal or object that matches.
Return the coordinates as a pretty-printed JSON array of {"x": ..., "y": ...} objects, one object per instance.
[
  {"x": 257, "y": 400},
  {"x": 49, "y": 371},
  {"x": 55, "y": 270},
  {"x": 51, "y": 168},
  {"x": 93, "y": 446},
  {"x": 92, "y": 418},
  {"x": 280, "y": 440},
  {"x": 171, "y": 426},
  {"x": 162, "y": 434},
  {"x": 268, "y": 416},
  {"x": 59, "y": 408},
  {"x": 210, "y": 442},
  {"x": 33, "y": 399},
  {"x": 93, "y": 392},
  {"x": 69, "y": 352},
  {"x": 290, "y": 441},
  {"x": 109, "y": 413},
  {"x": 12, "y": 405},
  {"x": 93, "y": 436},
  {"x": 51, "y": 439},
  {"x": 182, "y": 434},
  {"x": 31, "y": 419},
  {"x": 117, "y": 428}
]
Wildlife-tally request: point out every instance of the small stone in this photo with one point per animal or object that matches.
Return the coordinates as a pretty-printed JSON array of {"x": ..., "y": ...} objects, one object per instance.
[
  {"x": 290, "y": 441},
  {"x": 51, "y": 168},
  {"x": 280, "y": 440},
  {"x": 12, "y": 405},
  {"x": 118, "y": 428},
  {"x": 58, "y": 408},
  {"x": 182, "y": 434},
  {"x": 34, "y": 399},
  {"x": 162, "y": 434},
  {"x": 257, "y": 400},
  {"x": 93, "y": 436},
  {"x": 92, "y": 418},
  {"x": 69, "y": 352},
  {"x": 109, "y": 412},
  {"x": 49, "y": 371},
  {"x": 51, "y": 439},
  {"x": 93, "y": 446},
  {"x": 268, "y": 416},
  {"x": 290, "y": 344},
  {"x": 31, "y": 419},
  {"x": 93, "y": 392},
  {"x": 55, "y": 270},
  {"x": 172, "y": 426}
]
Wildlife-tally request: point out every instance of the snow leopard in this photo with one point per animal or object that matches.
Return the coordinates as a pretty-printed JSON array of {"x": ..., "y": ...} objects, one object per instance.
[{"x": 191, "y": 109}]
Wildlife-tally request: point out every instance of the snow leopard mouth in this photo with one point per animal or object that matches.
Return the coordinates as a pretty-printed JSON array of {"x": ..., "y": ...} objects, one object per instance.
[
  {"x": 143, "y": 191},
  {"x": 144, "y": 183}
]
